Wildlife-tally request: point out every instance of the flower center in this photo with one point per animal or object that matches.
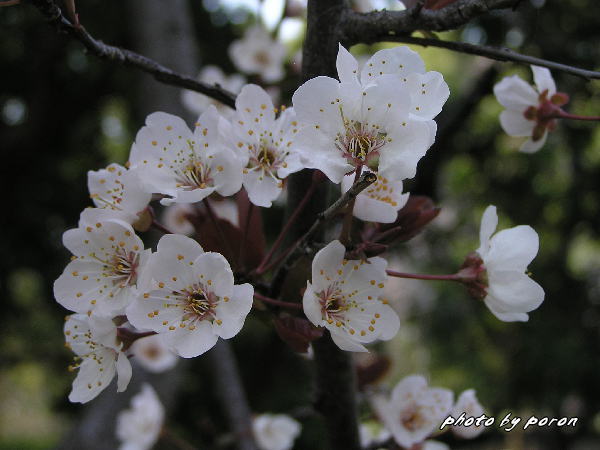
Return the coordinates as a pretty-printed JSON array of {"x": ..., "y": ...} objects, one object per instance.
[
  {"x": 411, "y": 418},
  {"x": 262, "y": 58},
  {"x": 199, "y": 305},
  {"x": 194, "y": 175},
  {"x": 361, "y": 142},
  {"x": 123, "y": 267}
]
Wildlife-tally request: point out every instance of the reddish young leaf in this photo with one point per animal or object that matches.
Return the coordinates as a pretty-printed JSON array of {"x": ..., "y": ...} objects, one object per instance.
[{"x": 297, "y": 332}]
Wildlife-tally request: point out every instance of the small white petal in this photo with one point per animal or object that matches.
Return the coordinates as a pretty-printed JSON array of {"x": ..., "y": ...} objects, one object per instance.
[
  {"x": 514, "y": 123},
  {"x": 515, "y": 94},
  {"x": 543, "y": 80},
  {"x": 531, "y": 146}
]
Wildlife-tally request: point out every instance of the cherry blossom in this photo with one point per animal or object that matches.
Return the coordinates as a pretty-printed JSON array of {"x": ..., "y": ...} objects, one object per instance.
[
  {"x": 264, "y": 144},
  {"x": 382, "y": 120},
  {"x": 258, "y": 53},
  {"x": 118, "y": 190},
  {"x": 468, "y": 405},
  {"x": 380, "y": 202},
  {"x": 275, "y": 431},
  {"x": 187, "y": 166},
  {"x": 510, "y": 293},
  {"x": 190, "y": 297},
  {"x": 529, "y": 110},
  {"x": 414, "y": 410},
  {"x": 153, "y": 354},
  {"x": 176, "y": 218},
  {"x": 98, "y": 356},
  {"x": 345, "y": 297},
  {"x": 372, "y": 433},
  {"x": 198, "y": 103},
  {"x": 108, "y": 258},
  {"x": 139, "y": 427}
]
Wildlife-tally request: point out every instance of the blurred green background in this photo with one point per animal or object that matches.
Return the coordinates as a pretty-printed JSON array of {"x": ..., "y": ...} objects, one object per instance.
[{"x": 63, "y": 113}]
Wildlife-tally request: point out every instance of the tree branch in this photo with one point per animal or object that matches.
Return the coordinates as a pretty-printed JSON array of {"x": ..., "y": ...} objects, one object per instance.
[
  {"x": 499, "y": 54},
  {"x": 377, "y": 26},
  {"x": 54, "y": 15}
]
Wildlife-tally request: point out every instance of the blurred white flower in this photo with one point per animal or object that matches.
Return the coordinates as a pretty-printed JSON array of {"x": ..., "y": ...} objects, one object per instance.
[
  {"x": 468, "y": 404},
  {"x": 186, "y": 166},
  {"x": 414, "y": 410},
  {"x": 139, "y": 427},
  {"x": 380, "y": 202},
  {"x": 175, "y": 218},
  {"x": 99, "y": 356},
  {"x": 264, "y": 144},
  {"x": 108, "y": 258},
  {"x": 153, "y": 354},
  {"x": 510, "y": 292},
  {"x": 197, "y": 103},
  {"x": 258, "y": 53},
  {"x": 528, "y": 108},
  {"x": 275, "y": 431},
  {"x": 118, "y": 190},
  {"x": 190, "y": 297},
  {"x": 345, "y": 297}
]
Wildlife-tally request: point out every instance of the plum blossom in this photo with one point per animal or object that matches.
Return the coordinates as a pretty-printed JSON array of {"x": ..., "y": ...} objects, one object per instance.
[
  {"x": 509, "y": 292},
  {"x": 184, "y": 165},
  {"x": 380, "y": 202},
  {"x": 139, "y": 427},
  {"x": 198, "y": 103},
  {"x": 264, "y": 144},
  {"x": 190, "y": 297},
  {"x": 98, "y": 356},
  {"x": 414, "y": 410},
  {"x": 118, "y": 190},
  {"x": 176, "y": 218},
  {"x": 382, "y": 119},
  {"x": 108, "y": 258},
  {"x": 153, "y": 354},
  {"x": 345, "y": 297},
  {"x": 258, "y": 53},
  {"x": 468, "y": 405},
  {"x": 275, "y": 431},
  {"x": 529, "y": 110}
]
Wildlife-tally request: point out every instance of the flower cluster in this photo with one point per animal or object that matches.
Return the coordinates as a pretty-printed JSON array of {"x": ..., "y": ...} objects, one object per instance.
[{"x": 180, "y": 298}]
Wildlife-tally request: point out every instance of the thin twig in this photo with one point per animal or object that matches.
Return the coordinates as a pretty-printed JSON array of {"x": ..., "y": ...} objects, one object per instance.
[
  {"x": 499, "y": 54},
  {"x": 54, "y": 15},
  {"x": 10, "y": 3},
  {"x": 274, "y": 302}
]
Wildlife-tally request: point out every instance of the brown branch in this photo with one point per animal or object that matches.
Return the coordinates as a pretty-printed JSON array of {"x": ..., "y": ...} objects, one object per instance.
[
  {"x": 499, "y": 54},
  {"x": 377, "y": 26},
  {"x": 54, "y": 15},
  {"x": 10, "y": 3}
]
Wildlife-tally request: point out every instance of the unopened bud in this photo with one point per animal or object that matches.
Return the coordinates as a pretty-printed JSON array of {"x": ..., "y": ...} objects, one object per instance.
[{"x": 473, "y": 275}]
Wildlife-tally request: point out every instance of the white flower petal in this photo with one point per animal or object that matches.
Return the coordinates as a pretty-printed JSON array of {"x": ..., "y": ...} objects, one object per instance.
[
  {"x": 512, "y": 291},
  {"x": 428, "y": 92},
  {"x": 262, "y": 188},
  {"x": 347, "y": 66},
  {"x": 514, "y": 123},
  {"x": 398, "y": 60},
  {"x": 515, "y": 94},
  {"x": 512, "y": 249},
  {"x": 325, "y": 264},
  {"x": 343, "y": 341},
  {"x": 123, "y": 372},
  {"x": 531, "y": 146},
  {"x": 191, "y": 343},
  {"x": 489, "y": 222},
  {"x": 233, "y": 312},
  {"x": 543, "y": 80},
  {"x": 90, "y": 380}
]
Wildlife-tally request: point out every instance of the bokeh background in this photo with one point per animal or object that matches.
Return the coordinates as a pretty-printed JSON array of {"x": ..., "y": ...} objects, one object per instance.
[{"x": 63, "y": 113}]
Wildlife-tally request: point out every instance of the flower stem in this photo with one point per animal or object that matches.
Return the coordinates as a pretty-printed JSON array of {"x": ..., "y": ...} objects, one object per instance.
[
  {"x": 416, "y": 276},
  {"x": 346, "y": 233},
  {"x": 222, "y": 238},
  {"x": 565, "y": 115},
  {"x": 274, "y": 302},
  {"x": 160, "y": 227},
  {"x": 263, "y": 267}
]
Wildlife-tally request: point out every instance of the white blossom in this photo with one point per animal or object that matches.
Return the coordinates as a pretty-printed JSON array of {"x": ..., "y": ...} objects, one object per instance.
[
  {"x": 118, "y": 190},
  {"x": 98, "y": 356},
  {"x": 187, "y": 166},
  {"x": 264, "y": 144},
  {"x": 521, "y": 101},
  {"x": 414, "y": 410},
  {"x": 511, "y": 293},
  {"x": 175, "y": 218},
  {"x": 345, "y": 297},
  {"x": 258, "y": 53},
  {"x": 139, "y": 427},
  {"x": 275, "y": 431},
  {"x": 380, "y": 202},
  {"x": 382, "y": 119},
  {"x": 198, "y": 103},
  {"x": 190, "y": 298},
  {"x": 108, "y": 258},
  {"x": 468, "y": 404},
  {"x": 153, "y": 354}
]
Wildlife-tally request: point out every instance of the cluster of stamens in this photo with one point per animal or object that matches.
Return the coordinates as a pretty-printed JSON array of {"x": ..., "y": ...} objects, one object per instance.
[
  {"x": 194, "y": 175},
  {"x": 361, "y": 142}
]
